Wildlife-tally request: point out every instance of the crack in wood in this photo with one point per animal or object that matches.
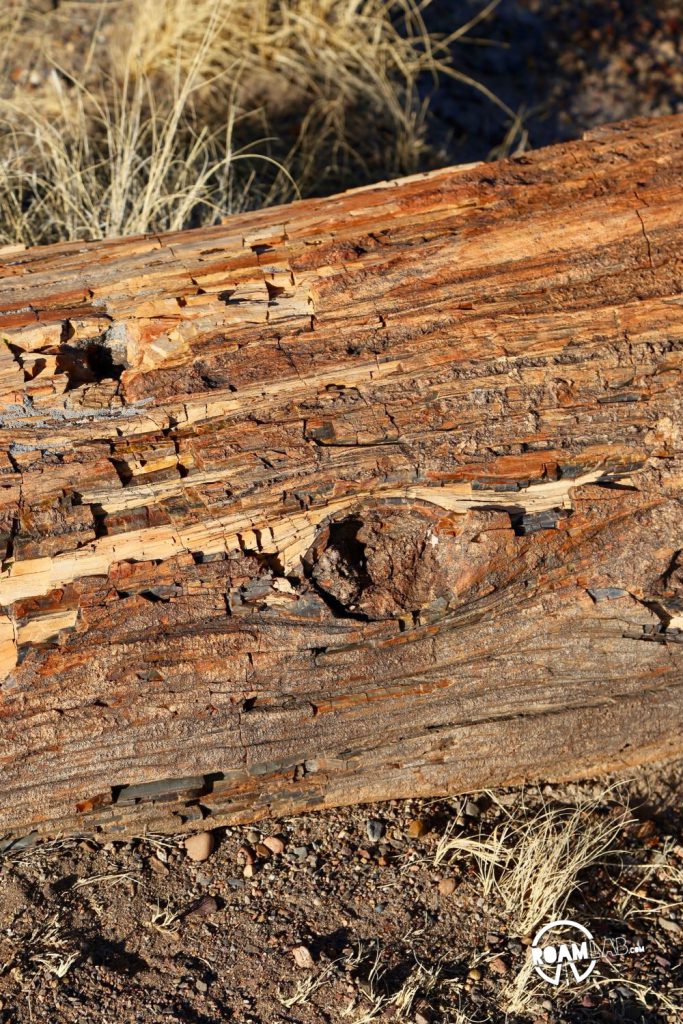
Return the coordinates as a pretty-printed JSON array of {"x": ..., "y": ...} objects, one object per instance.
[{"x": 386, "y": 473}]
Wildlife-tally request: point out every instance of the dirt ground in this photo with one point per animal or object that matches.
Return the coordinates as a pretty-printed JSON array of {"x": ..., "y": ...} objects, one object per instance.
[
  {"x": 561, "y": 66},
  {"x": 352, "y": 916}
]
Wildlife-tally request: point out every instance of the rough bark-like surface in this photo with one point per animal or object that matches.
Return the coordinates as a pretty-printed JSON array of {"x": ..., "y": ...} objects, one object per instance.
[{"x": 361, "y": 497}]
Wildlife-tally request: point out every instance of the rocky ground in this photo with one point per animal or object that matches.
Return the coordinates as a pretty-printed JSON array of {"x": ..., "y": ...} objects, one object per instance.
[{"x": 364, "y": 914}]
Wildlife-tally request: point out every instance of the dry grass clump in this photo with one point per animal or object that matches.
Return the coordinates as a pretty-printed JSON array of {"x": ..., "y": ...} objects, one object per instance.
[
  {"x": 165, "y": 920},
  {"x": 536, "y": 860},
  {"x": 169, "y": 114},
  {"x": 379, "y": 997},
  {"x": 533, "y": 861},
  {"x": 48, "y": 948}
]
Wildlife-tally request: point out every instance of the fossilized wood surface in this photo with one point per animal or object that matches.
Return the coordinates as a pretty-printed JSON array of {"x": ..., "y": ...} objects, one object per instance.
[{"x": 367, "y": 496}]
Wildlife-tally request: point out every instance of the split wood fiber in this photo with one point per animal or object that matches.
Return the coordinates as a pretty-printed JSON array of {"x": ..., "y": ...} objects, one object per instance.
[{"x": 363, "y": 497}]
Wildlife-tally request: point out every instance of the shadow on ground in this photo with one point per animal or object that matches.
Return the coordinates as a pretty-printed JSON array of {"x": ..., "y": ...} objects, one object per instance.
[{"x": 562, "y": 66}]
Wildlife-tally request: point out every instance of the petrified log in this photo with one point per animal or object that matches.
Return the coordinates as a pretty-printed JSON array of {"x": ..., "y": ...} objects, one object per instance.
[{"x": 362, "y": 497}]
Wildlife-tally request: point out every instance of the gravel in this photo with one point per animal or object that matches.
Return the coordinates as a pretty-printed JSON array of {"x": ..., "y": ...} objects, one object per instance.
[{"x": 204, "y": 942}]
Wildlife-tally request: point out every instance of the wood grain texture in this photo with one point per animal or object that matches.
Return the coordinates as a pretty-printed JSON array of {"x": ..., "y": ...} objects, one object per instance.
[{"x": 361, "y": 497}]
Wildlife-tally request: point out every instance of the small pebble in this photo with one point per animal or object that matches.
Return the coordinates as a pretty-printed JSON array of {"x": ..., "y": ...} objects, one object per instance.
[
  {"x": 417, "y": 828},
  {"x": 447, "y": 886},
  {"x": 646, "y": 829},
  {"x": 274, "y": 844},
  {"x": 669, "y": 926},
  {"x": 498, "y": 965},
  {"x": 200, "y": 845},
  {"x": 471, "y": 809},
  {"x": 302, "y": 957},
  {"x": 205, "y": 906},
  {"x": 474, "y": 974},
  {"x": 375, "y": 829},
  {"x": 201, "y": 987}
]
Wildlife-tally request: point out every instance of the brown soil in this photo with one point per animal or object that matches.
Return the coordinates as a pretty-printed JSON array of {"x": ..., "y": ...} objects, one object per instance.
[{"x": 226, "y": 949}]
